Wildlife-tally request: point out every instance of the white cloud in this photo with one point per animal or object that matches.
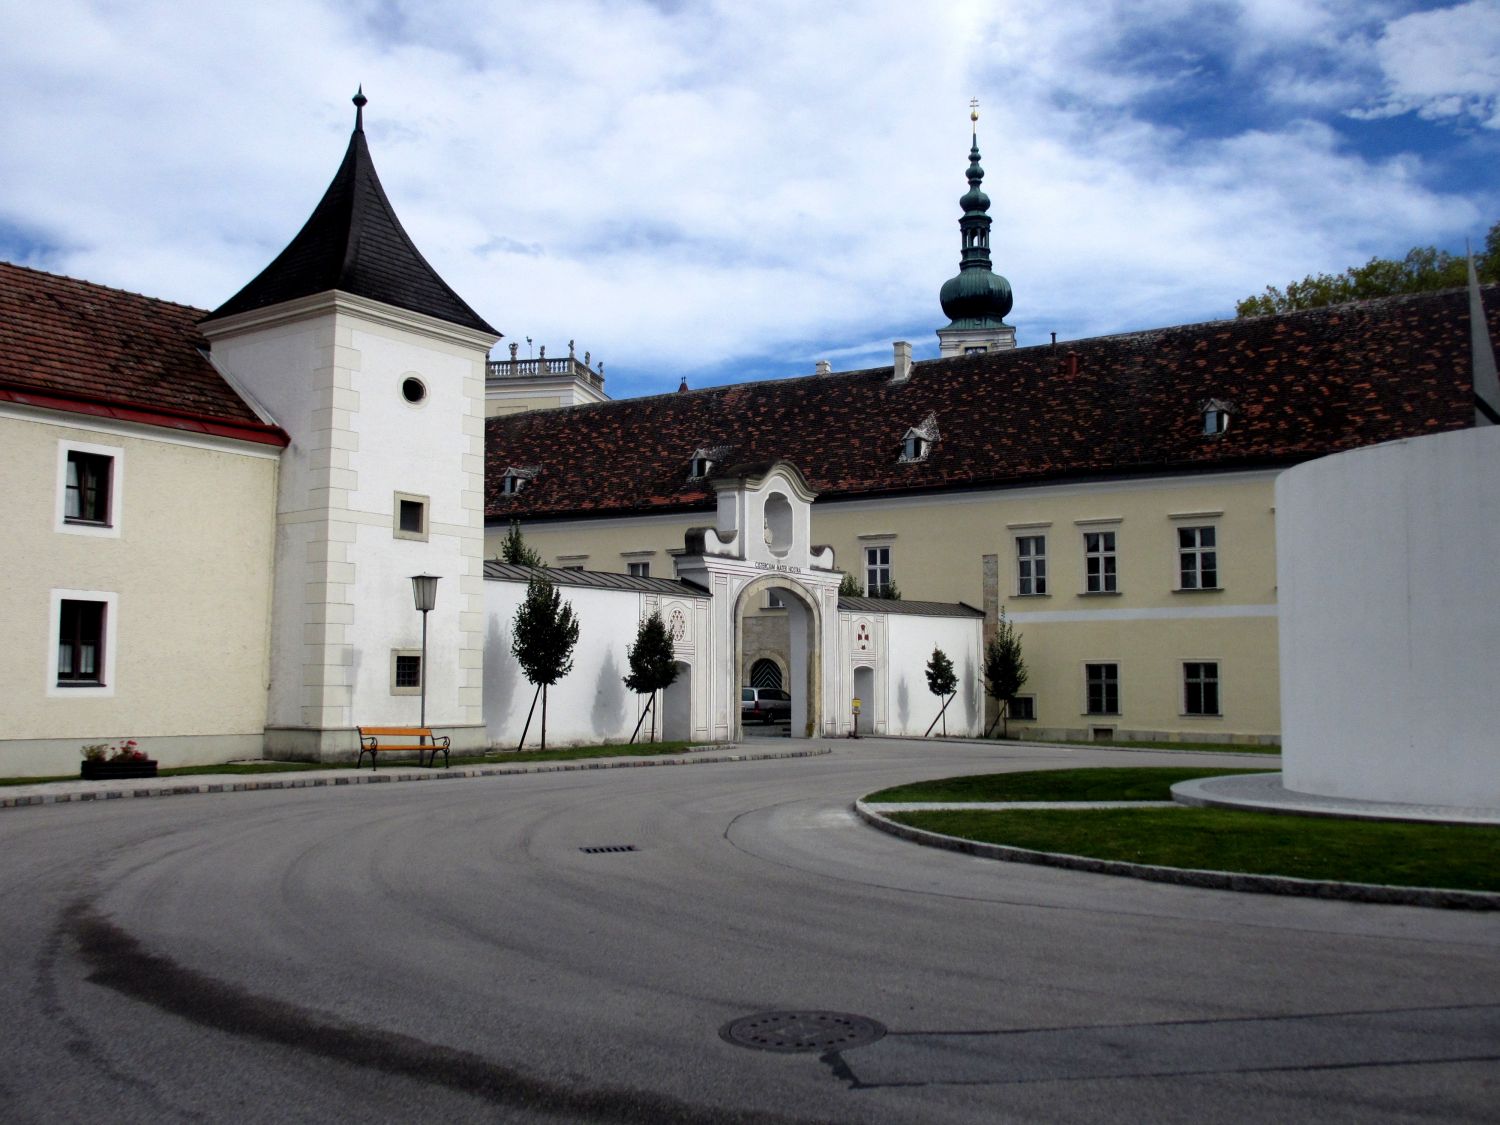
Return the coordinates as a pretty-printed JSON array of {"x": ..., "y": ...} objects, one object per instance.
[
  {"x": 678, "y": 188},
  {"x": 1443, "y": 64}
]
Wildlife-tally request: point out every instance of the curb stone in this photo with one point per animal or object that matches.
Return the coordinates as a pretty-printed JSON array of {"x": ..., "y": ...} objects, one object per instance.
[
  {"x": 184, "y": 784},
  {"x": 1192, "y": 877}
]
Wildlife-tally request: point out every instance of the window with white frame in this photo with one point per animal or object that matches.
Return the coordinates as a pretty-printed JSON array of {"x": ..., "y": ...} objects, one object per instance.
[
  {"x": 1197, "y": 558},
  {"x": 877, "y": 571},
  {"x": 1031, "y": 565},
  {"x": 1102, "y": 687},
  {"x": 88, "y": 488},
  {"x": 81, "y": 656},
  {"x": 1100, "y": 575},
  {"x": 638, "y": 569},
  {"x": 1200, "y": 687}
]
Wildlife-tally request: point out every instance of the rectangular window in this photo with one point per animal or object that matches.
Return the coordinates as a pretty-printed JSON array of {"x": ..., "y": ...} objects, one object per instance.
[
  {"x": 406, "y": 671},
  {"x": 90, "y": 480},
  {"x": 877, "y": 571},
  {"x": 410, "y": 516},
  {"x": 1031, "y": 565},
  {"x": 1200, "y": 687},
  {"x": 773, "y": 600},
  {"x": 638, "y": 569},
  {"x": 1198, "y": 558},
  {"x": 1022, "y": 709},
  {"x": 1103, "y": 682},
  {"x": 80, "y": 643},
  {"x": 87, "y": 491},
  {"x": 1099, "y": 562}
]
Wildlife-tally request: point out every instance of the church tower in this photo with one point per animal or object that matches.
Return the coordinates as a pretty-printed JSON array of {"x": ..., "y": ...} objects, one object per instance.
[
  {"x": 977, "y": 299},
  {"x": 376, "y": 368}
]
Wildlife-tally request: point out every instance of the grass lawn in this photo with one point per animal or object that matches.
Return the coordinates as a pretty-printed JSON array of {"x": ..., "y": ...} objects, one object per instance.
[
  {"x": 1417, "y": 855},
  {"x": 566, "y": 754},
  {"x": 1129, "y": 783}
]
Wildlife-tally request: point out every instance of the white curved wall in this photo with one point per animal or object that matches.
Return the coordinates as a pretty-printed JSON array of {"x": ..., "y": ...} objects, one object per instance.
[{"x": 1388, "y": 567}]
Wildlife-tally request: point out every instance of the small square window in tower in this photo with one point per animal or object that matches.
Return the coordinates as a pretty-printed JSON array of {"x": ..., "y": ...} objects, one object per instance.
[{"x": 410, "y": 516}]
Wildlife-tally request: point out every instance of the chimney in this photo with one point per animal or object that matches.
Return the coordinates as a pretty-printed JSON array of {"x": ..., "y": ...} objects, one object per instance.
[
  {"x": 824, "y": 368},
  {"x": 901, "y": 371}
]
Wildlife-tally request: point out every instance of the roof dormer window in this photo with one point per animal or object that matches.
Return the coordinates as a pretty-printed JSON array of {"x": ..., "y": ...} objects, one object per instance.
[
  {"x": 704, "y": 460},
  {"x": 515, "y": 478},
  {"x": 918, "y": 441},
  {"x": 1216, "y": 414}
]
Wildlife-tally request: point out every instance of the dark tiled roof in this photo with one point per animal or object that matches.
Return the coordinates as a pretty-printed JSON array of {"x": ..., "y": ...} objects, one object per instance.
[
  {"x": 73, "y": 345},
  {"x": 593, "y": 579},
  {"x": 908, "y": 608},
  {"x": 1300, "y": 385},
  {"x": 354, "y": 242}
]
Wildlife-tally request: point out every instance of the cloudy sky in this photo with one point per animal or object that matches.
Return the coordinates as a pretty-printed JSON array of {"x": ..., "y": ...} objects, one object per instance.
[{"x": 732, "y": 190}]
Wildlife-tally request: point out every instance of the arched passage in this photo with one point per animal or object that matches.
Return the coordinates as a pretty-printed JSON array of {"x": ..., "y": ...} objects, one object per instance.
[
  {"x": 864, "y": 691},
  {"x": 803, "y": 658}
]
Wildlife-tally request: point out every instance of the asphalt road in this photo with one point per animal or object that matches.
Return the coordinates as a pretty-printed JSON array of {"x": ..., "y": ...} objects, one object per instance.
[{"x": 447, "y": 952}]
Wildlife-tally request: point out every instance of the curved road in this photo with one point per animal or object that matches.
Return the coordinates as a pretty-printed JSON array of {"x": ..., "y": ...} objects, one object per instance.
[{"x": 449, "y": 952}]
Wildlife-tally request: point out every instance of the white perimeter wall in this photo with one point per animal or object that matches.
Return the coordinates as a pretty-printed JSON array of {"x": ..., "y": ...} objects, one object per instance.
[
  {"x": 1390, "y": 621},
  {"x": 591, "y": 704},
  {"x": 909, "y": 705}
]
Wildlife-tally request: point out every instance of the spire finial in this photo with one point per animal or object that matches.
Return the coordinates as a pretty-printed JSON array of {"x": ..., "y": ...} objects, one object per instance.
[
  {"x": 974, "y": 116},
  {"x": 360, "y": 101}
]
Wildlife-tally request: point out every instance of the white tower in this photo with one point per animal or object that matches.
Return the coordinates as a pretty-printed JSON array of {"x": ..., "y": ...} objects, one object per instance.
[{"x": 376, "y": 369}]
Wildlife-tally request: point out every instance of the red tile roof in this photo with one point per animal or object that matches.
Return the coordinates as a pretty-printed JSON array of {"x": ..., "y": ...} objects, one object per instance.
[
  {"x": 76, "y": 346},
  {"x": 1299, "y": 385}
]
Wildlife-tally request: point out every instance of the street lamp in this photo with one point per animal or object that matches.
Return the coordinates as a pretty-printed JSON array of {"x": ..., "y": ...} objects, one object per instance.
[{"x": 424, "y": 593}]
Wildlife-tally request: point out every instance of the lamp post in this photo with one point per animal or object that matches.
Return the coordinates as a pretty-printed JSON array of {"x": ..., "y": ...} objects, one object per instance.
[{"x": 424, "y": 593}]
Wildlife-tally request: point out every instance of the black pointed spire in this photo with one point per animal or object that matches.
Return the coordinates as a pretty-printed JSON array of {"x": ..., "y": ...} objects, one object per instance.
[{"x": 354, "y": 243}]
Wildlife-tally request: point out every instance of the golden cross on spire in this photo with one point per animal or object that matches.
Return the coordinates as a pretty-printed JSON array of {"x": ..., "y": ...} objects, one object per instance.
[{"x": 973, "y": 109}]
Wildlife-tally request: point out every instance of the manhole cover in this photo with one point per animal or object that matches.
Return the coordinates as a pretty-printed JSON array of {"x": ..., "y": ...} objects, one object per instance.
[
  {"x": 802, "y": 1031},
  {"x": 600, "y": 849}
]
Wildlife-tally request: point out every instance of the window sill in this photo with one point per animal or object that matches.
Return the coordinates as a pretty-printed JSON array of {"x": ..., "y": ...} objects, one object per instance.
[
  {"x": 1101, "y": 714},
  {"x": 1191, "y": 715},
  {"x": 1199, "y": 590},
  {"x": 1099, "y": 593},
  {"x": 1031, "y": 595},
  {"x": 72, "y": 522},
  {"x": 76, "y": 685}
]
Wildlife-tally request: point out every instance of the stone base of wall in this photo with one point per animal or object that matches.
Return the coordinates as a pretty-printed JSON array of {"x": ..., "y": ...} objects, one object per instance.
[
  {"x": 61, "y": 757},
  {"x": 341, "y": 744},
  {"x": 1023, "y": 731}
]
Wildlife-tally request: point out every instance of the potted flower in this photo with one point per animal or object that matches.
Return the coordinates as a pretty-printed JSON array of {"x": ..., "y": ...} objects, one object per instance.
[{"x": 110, "y": 760}]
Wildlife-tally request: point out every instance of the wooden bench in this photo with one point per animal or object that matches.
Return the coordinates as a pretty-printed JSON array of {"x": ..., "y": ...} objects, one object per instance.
[{"x": 380, "y": 740}]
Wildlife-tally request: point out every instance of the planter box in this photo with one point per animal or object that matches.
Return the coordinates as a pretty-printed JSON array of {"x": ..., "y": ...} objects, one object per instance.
[{"x": 114, "y": 771}]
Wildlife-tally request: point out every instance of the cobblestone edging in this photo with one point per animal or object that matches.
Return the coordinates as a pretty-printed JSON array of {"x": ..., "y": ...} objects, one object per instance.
[
  {"x": 230, "y": 783},
  {"x": 1192, "y": 877}
]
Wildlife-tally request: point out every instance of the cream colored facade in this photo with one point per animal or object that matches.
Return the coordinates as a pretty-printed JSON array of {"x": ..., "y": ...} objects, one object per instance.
[
  {"x": 962, "y": 547},
  {"x": 184, "y": 572}
]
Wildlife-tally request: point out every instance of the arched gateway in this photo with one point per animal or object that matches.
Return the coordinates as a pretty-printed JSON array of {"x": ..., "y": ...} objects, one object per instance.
[{"x": 759, "y": 544}]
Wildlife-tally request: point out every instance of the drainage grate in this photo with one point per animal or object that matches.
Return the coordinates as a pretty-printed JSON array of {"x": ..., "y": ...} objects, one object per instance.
[
  {"x": 802, "y": 1031},
  {"x": 610, "y": 848}
]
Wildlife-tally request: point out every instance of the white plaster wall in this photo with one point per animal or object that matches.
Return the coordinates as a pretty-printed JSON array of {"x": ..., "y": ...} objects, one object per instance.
[
  {"x": 909, "y": 706},
  {"x": 591, "y": 704},
  {"x": 1390, "y": 621}
]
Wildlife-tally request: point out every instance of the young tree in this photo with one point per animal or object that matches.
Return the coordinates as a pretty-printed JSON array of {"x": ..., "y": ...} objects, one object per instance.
[
  {"x": 941, "y": 681},
  {"x": 1004, "y": 670},
  {"x": 1424, "y": 268},
  {"x": 849, "y": 586},
  {"x": 515, "y": 551},
  {"x": 545, "y": 633},
  {"x": 653, "y": 665}
]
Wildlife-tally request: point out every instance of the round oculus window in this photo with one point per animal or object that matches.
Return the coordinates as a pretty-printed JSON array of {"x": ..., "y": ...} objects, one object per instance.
[{"x": 412, "y": 390}]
